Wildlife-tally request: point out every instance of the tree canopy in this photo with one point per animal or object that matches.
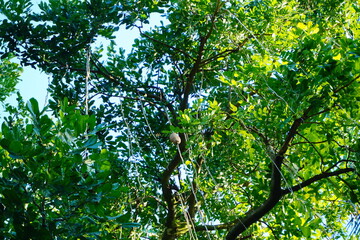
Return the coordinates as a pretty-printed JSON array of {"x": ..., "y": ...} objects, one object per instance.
[{"x": 264, "y": 96}]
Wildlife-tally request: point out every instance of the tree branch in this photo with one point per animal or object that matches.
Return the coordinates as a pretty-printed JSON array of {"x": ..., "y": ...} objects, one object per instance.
[
  {"x": 163, "y": 100},
  {"x": 292, "y": 132},
  {"x": 315, "y": 179},
  {"x": 313, "y": 146},
  {"x": 255, "y": 214},
  {"x": 170, "y": 226},
  {"x": 318, "y": 113},
  {"x": 226, "y": 52},
  {"x": 275, "y": 186},
  {"x": 337, "y": 163},
  {"x": 196, "y": 67},
  {"x": 308, "y": 142},
  {"x": 346, "y": 85}
]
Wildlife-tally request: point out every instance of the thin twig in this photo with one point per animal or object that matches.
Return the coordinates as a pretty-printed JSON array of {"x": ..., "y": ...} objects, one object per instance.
[{"x": 317, "y": 151}]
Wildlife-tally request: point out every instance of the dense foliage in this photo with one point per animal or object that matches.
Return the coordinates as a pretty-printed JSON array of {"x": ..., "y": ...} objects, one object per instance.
[
  {"x": 9, "y": 77},
  {"x": 263, "y": 94}
]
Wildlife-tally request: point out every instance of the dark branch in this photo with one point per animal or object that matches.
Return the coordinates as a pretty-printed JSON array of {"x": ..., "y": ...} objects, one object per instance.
[
  {"x": 271, "y": 229},
  {"x": 313, "y": 146},
  {"x": 255, "y": 214},
  {"x": 346, "y": 85},
  {"x": 169, "y": 233},
  {"x": 161, "y": 98},
  {"x": 292, "y": 132},
  {"x": 308, "y": 142},
  {"x": 337, "y": 163},
  {"x": 170, "y": 225},
  {"x": 197, "y": 64},
  {"x": 315, "y": 179},
  {"x": 318, "y": 113},
  {"x": 275, "y": 186}
]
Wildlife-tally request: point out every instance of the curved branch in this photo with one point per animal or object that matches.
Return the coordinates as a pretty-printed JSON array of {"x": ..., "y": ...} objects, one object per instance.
[
  {"x": 101, "y": 69},
  {"x": 170, "y": 227},
  {"x": 337, "y": 163},
  {"x": 315, "y": 179},
  {"x": 318, "y": 113},
  {"x": 271, "y": 229},
  {"x": 162, "y": 100},
  {"x": 274, "y": 198},
  {"x": 255, "y": 214},
  {"x": 292, "y": 132},
  {"x": 275, "y": 186},
  {"x": 276, "y": 193},
  {"x": 308, "y": 142},
  {"x": 227, "y": 52}
]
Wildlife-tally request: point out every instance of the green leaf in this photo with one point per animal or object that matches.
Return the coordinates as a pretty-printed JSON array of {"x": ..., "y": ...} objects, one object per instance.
[
  {"x": 105, "y": 166},
  {"x": 130, "y": 225},
  {"x": 33, "y": 107},
  {"x": 117, "y": 217},
  {"x": 306, "y": 231},
  {"x": 5, "y": 130},
  {"x": 15, "y": 146},
  {"x": 252, "y": 87},
  {"x": 233, "y": 108},
  {"x": 92, "y": 142}
]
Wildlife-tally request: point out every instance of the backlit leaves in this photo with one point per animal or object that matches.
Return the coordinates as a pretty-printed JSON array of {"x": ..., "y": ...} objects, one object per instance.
[{"x": 264, "y": 95}]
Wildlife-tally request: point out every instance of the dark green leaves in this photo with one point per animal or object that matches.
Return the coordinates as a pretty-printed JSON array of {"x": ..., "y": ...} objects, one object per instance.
[{"x": 52, "y": 171}]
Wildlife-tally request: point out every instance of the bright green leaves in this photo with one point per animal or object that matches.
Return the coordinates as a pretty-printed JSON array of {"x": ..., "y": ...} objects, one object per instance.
[
  {"x": 233, "y": 108},
  {"x": 9, "y": 77},
  {"x": 308, "y": 28},
  {"x": 251, "y": 78},
  {"x": 186, "y": 118}
]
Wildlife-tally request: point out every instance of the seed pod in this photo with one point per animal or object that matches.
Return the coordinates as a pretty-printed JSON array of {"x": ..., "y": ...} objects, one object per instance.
[{"x": 174, "y": 138}]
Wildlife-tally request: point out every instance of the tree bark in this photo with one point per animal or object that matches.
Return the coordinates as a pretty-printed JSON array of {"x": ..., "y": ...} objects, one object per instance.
[{"x": 255, "y": 215}]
